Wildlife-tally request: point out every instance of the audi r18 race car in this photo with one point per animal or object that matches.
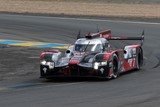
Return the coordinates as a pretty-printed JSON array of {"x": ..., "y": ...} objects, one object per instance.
[{"x": 92, "y": 56}]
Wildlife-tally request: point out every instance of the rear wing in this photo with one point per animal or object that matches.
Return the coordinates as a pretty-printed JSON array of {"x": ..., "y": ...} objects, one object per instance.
[
  {"x": 129, "y": 38},
  {"x": 108, "y": 35},
  {"x": 126, "y": 38}
]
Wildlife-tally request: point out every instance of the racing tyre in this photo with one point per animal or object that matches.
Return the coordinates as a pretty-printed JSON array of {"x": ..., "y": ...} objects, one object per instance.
[
  {"x": 139, "y": 59},
  {"x": 115, "y": 66}
]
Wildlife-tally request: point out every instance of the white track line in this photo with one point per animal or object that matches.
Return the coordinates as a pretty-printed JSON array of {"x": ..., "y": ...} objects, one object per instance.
[
  {"x": 98, "y": 20},
  {"x": 95, "y": 20},
  {"x": 103, "y": 20}
]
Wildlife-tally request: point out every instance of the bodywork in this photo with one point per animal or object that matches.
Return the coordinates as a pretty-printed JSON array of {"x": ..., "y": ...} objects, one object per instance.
[{"x": 92, "y": 56}]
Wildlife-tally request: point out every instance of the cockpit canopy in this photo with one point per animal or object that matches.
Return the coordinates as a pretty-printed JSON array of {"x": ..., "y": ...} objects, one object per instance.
[{"x": 90, "y": 45}]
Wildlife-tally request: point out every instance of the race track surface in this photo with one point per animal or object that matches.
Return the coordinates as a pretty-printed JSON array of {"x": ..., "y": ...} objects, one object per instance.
[{"x": 20, "y": 85}]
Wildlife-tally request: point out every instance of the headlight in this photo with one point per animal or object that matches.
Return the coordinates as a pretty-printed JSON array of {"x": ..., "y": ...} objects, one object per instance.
[
  {"x": 97, "y": 64},
  {"x": 103, "y": 63},
  {"x": 43, "y": 62},
  {"x": 51, "y": 65}
]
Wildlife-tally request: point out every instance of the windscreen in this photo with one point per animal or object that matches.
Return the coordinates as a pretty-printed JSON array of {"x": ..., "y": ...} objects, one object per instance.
[{"x": 83, "y": 47}]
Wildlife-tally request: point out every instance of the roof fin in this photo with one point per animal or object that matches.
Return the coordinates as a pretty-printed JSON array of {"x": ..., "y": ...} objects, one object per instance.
[{"x": 79, "y": 34}]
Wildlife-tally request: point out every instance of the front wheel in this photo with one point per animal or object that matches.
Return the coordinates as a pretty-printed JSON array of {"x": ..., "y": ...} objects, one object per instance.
[{"x": 115, "y": 66}]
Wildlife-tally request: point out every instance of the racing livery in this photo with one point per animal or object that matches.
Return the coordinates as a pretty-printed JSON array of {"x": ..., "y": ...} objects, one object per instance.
[{"x": 92, "y": 56}]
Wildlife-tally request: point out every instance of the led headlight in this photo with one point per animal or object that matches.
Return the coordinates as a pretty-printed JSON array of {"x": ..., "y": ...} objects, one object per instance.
[
  {"x": 97, "y": 64},
  {"x": 43, "y": 62},
  {"x": 51, "y": 65},
  {"x": 103, "y": 63}
]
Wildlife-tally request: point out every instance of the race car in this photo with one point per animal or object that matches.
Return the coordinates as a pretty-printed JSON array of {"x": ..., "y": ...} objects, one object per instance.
[{"x": 92, "y": 56}]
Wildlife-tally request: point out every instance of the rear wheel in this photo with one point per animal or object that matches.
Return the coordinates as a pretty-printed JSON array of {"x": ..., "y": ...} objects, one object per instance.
[{"x": 140, "y": 59}]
